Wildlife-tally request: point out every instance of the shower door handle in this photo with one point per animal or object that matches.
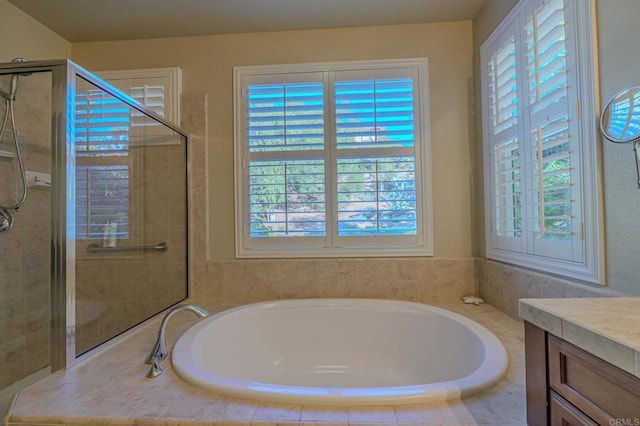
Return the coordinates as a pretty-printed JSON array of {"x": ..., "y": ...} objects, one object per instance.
[{"x": 96, "y": 248}]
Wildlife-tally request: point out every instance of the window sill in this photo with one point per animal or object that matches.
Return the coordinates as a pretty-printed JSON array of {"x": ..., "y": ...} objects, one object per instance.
[
  {"x": 563, "y": 269},
  {"x": 332, "y": 253}
]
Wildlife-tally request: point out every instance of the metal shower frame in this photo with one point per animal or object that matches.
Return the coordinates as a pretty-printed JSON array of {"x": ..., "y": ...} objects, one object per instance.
[{"x": 63, "y": 253}]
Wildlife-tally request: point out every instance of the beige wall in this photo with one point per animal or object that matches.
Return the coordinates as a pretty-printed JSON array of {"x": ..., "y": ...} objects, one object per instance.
[
  {"x": 24, "y": 37},
  {"x": 207, "y": 64},
  {"x": 619, "y": 50}
]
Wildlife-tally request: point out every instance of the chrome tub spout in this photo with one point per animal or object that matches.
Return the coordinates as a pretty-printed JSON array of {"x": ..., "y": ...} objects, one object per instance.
[{"x": 159, "y": 351}]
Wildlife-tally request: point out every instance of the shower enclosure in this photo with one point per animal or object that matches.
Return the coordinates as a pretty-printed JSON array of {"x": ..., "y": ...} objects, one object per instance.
[{"x": 100, "y": 243}]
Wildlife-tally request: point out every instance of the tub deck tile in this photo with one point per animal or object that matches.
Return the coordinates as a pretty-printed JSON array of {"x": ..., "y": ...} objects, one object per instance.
[
  {"x": 422, "y": 414},
  {"x": 324, "y": 415},
  {"x": 111, "y": 389},
  {"x": 372, "y": 415},
  {"x": 278, "y": 412}
]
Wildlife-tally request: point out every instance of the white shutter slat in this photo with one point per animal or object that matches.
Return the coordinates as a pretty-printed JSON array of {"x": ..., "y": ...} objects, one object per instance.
[
  {"x": 152, "y": 97},
  {"x": 374, "y": 113},
  {"x": 286, "y": 116},
  {"x": 102, "y": 124},
  {"x": 376, "y": 196},
  {"x": 286, "y": 172},
  {"x": 376, "y": 190},
  {"x": 502, "y": 84},
  {"x": 506, "y": 190},
  {"x": 287, "y": 198},
  {"x": 504, "y": 158},
  {"x": 550, "y": 209}
]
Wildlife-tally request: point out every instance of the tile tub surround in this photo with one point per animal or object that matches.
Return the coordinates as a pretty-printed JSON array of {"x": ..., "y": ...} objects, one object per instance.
[
  {"x": 502, "y": 285},
  {"x": 111, "y": 388},
  {"x": 605, "y": 327},
  {"x": 423, "y": 279}
]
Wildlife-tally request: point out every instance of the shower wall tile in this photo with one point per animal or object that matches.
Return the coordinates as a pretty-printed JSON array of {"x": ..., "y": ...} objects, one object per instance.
[
  {"x": 7, "y": 171},
  {"x": 412, "y": 279},
  {"x": 503, "y": 285},
  {"x": 12, "y": 328},
  {"x": 36, "y": 361},
  {"x": 193, "y": 116},
  {"x": 11, "y": 297},
  {"x": 11, "y": 373},
  {"x": 12, "y": 351},
  {"x": 25, "y": 249}
]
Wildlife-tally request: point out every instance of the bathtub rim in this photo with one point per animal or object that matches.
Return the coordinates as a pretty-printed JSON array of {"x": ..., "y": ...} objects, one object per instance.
[{"x": 490, "y": 372}]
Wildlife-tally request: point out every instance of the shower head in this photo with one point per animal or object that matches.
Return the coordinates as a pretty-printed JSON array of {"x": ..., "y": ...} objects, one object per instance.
[
  {"x": 13, "y": 86},
  {"x": 13, "y": 89}
]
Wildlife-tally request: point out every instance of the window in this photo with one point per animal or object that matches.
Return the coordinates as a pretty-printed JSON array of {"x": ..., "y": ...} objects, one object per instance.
[
  {"x": 106, "y": 129},
  {"x": 333, "y": 159},
  {"x": 102, "y": 169},
  {"x": 540, "y": 143}
]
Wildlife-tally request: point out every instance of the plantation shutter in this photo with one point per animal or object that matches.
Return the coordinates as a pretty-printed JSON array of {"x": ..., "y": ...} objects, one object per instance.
[
  {"x": 153, "y": 93},
  {"x": 504, "y": 127},
  {"x": 102, "y": 124},
  {"x": 541, "y": 159},
  {"x": 151, "y": 96},
  {"x": 376, "y": 138},
  {"x": 102, "y": 172},
  {"x": 285, "y": 161},
  {"x": 329, "y": 159},
  {"x": 554, "y": 216}
]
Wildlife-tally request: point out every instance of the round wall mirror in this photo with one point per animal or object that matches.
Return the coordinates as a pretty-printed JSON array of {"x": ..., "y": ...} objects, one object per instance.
[{"x": 620, "y": 121}]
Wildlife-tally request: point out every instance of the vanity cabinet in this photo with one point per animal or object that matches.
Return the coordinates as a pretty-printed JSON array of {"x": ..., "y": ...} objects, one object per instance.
[{"x": 567, "y": 385}]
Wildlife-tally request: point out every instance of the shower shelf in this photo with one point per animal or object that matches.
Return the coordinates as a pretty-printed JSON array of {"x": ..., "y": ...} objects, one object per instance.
[{"x": 6, "y": 155}]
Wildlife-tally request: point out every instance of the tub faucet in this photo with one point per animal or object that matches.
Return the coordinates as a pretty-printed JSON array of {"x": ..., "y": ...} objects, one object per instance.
[{"x": 159, "y": 351}]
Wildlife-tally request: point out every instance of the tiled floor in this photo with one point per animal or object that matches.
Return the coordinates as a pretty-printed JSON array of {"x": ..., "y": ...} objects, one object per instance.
[{"x": 112, "y": 389}]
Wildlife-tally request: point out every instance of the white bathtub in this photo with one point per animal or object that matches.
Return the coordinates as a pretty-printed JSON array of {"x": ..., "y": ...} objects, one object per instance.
[{"x": 340, "y": 352}]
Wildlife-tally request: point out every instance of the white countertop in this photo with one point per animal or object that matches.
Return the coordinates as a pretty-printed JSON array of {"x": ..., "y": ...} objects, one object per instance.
[{"x": 607, "y": 327}]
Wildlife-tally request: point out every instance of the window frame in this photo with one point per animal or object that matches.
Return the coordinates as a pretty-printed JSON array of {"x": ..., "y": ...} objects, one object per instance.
[
  {"x": 582, "y": 57},
  {"x": 422, "y": 159}
]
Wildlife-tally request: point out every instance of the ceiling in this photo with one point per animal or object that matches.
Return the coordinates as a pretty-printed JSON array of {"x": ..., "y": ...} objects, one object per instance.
[{"x": 100, "y": 20}]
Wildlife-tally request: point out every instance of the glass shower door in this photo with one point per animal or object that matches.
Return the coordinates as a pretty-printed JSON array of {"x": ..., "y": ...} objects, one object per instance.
[{"x": 130, "y": 216}]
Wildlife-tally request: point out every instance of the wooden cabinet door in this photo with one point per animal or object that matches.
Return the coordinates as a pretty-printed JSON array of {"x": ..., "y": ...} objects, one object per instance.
[{"x": 565, "y": 414}]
